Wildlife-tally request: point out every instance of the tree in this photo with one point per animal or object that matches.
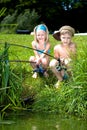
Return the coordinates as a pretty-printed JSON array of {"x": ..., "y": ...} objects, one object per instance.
[{"x": 54, "y": 13}]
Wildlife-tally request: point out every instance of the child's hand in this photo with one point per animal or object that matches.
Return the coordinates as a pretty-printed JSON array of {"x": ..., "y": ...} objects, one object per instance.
[
  {"x": 62, "y": 61},
  {"x": 38, "y": 61}
]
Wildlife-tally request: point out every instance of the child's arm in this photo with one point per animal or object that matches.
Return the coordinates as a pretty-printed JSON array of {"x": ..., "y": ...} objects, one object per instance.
[
  {"x": 56, "y": 53},
  {"x": 45, "y": 51},
  {"x": 35, "y": 52}
]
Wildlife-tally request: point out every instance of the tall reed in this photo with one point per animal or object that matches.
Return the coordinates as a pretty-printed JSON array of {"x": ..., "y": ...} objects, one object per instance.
[{"x": 11, "y": 82}]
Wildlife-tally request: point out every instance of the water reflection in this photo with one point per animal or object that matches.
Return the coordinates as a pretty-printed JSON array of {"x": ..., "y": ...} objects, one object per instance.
[{"x": 40, "y": 121}]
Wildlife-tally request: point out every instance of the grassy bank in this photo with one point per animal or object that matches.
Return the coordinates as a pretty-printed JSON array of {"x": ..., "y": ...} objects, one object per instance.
[{"x": 70, "y": 98}]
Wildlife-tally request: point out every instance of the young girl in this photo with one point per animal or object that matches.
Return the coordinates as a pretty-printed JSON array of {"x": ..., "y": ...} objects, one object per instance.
[
  {"x": 64, "y": 52},
  {"x": 41, "y": 46}
]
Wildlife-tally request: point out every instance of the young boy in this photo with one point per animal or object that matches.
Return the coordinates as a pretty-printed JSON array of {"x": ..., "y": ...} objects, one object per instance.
[{"x": 64, "y": 52}]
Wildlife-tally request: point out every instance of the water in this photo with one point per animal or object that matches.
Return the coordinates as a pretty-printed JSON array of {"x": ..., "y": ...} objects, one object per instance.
[{"x": 39, "y": 121}]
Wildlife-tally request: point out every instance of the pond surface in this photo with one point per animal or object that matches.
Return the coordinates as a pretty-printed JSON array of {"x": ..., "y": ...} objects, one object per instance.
[{"x": 38, "y": 121}]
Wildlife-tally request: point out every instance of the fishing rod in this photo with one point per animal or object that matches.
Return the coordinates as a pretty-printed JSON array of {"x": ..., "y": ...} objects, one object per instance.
[
  {"x": 59, "y": 68},
  {"x": 26, "y": 61},
  {"x": 59, "y": 61},
  {"x": 22, "y": 61},
  {"x": 17, "y": 61},
  {"x": 31, "y": 49}
]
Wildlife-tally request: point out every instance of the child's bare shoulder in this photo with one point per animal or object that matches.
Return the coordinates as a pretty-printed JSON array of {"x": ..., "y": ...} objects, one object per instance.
[
  {"x": 33, "y": 43},
  {"x": 57, "y": 46}
]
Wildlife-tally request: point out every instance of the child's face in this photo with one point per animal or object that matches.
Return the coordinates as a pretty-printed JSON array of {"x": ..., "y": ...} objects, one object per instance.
[
  {"x": 65, "y": 38},
  {"x": 41, "y": 35}
]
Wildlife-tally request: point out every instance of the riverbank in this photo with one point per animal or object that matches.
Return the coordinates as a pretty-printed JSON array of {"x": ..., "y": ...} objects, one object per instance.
[{"x": 69, "y": 99}]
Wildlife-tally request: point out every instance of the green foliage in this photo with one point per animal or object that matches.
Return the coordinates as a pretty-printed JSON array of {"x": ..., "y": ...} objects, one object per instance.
[
  {"x": 8, "y": 24},
  {"x": 2, "y": 11},
  {"x": 70, "y": 98},
  {"x": 27, "y": 20},
  {"x": 4, "y": 1},
  {"x": 4, "y": 71},
  {"x": 9, "y": 19},
  {"x": 65, "y": 100},
  {"x": 10, "y": 82},
  {"x": 24, "y": 21},
  {"x": 63, "y": 12}
]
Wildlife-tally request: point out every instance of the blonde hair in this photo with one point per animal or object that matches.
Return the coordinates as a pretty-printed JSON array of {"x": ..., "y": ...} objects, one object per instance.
[
  {"x": 67, "y": 29},
  {"x": 47, "y": 32},
  {"x": 66, "y": 32}
]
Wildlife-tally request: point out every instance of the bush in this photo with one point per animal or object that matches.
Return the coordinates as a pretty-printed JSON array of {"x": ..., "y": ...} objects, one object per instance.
[
  {"x": 8, "y": 24},
  {"x": 27, "y": 20},
  {"x": 24, "y": 21}
]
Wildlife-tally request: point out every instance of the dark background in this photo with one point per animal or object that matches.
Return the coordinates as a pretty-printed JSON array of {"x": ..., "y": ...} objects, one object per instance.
[{"x": 54, "y": 13}]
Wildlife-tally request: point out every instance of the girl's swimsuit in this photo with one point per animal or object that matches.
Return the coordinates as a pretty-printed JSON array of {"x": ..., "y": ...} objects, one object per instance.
[
  {"x": 42, "y": 51},
  {"x": 39, "y": 68}
]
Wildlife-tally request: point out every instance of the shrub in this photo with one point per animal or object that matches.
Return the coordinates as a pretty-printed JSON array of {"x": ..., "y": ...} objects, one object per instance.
[
  {"x": 8, "y": 24},
  {"x": 27, "y": 20},
  {"x": 24, "y": 21}
]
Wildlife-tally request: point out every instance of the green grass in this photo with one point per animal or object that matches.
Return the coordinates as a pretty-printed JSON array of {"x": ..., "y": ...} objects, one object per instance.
[{"x": 70, "y": 98}]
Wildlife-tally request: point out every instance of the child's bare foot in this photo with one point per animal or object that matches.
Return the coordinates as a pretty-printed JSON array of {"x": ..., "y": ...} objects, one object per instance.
[
  {"x": 34, "y": 75},
  {"x": 57, "y": 85}
]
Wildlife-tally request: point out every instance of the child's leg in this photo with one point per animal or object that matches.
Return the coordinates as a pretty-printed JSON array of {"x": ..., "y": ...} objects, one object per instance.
[
  {"x": 32, "y": 59},
  {"x": 57, "y": 73},
  {"x": 45, "y": 64}
]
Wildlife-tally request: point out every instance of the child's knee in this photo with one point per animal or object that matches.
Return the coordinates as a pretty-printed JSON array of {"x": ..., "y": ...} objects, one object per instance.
[
  {"x": 32, "y": 58},
  {"x": 52, "y": 64},
  {"x": 45, "y": 62}
]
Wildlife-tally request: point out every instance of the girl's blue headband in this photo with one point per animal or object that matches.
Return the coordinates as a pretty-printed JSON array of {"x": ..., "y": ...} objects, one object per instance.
[{"x": 41, "y": 27}]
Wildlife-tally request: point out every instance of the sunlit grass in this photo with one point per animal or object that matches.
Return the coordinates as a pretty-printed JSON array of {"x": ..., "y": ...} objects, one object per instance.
[{"x": 70, "y": 98}]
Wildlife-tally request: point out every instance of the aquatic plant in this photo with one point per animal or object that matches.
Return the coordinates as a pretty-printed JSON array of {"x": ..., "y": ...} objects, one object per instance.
[{"x": 70, "y": 98}]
